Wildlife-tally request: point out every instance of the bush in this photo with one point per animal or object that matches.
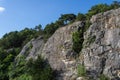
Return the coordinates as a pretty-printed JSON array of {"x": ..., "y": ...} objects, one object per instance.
[
  {"x": 77, "y": 38},
  {"x": 17, "y": 69},
  {"x": 39, "y": 69}
]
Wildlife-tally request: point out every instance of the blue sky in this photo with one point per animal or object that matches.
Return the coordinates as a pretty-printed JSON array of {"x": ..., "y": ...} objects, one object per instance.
[{"x": 18, "y": 14}]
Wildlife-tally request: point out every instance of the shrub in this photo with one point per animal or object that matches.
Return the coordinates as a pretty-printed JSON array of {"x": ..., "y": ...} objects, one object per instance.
[
  {"x": 16, "y": 69},
  {"x": 77, "y": 38},
  {"x": 76, "y": 41},
  {"x": 39, "y": 69}
]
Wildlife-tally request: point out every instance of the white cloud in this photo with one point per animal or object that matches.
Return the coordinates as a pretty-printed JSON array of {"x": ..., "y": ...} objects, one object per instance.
[{"x": 2, "y": 9}]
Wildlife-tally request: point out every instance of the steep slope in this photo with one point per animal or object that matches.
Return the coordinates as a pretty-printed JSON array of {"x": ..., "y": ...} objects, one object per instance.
[{"x": 101, "y": 50}]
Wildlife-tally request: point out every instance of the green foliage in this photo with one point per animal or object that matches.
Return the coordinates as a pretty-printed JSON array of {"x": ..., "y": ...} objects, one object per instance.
[
  {"x": 62, "y": 21},
  {"x": 38, "y": 28},
  {"x": 39, "y": 69},
  {"x": 77, "y": 38},
  {"x": 17, "y": 39},
  {"x": 50, "y": 28},
  {"x": 67, "y": 18},
  {"x": 23, "y": 77},
  {"x": 10, "y": 46},
  {"x": 115, "y": 5},
  {"x": 6, "y": 57},
  {"x": 97, "y": 9},
  {"x": 81, "y": 71},
  {"x": 59, "y": 23},
  {"x": 80, "y": 17},
  {"x": 16, "y": 69},
  {"x": 10, "y": 39},
  {"x": 26, "y": 35},
  {"x": 103, "y": 77}
]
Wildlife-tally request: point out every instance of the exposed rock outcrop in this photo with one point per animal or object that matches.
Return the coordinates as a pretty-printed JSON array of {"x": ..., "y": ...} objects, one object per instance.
[
  {"x": 58, "y": 51},
  {"x": 33, "y": 48},
  {"x": 102, "y": 45}
]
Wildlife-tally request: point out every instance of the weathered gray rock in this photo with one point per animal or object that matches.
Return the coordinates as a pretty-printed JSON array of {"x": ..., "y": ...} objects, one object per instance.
[
  {"x": 58, "y": 51},
  {"x": 102, "y": 45},
  {"x": 33, "y": 48}
]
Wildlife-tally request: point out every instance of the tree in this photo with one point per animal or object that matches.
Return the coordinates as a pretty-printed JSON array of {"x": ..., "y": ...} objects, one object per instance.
[
  {"x": 59, "y": 23},
  {"x": 115, "y": 5},
  {"x": 38, "y": 28},
  {"x": 39, "y": 69},
  {"x": 80, "y": 17},
  {"x": 67, "y": 18},
  {"x": 16, "y": 69},
  {"x": 10, "y": 40},
  {"x": 39, "y": 31},
  {"x": 97, "y": 9},
  {"x": 50, "y": 28},
  {"x": 5, "y": 60}
]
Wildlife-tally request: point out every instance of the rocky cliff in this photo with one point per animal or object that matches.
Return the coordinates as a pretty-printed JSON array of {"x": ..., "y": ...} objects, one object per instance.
[
  {"x": 57, "y": 50},
  {"x": 101, "y": 50},
  {"x": 100, "y": 53}
]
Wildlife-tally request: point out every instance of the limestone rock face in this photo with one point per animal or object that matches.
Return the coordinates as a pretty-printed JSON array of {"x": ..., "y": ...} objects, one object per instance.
[
  {"x": 102, "y": 45},
  {"x": 33, "y": 48},
  {"x": 58, "y": 51}
]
